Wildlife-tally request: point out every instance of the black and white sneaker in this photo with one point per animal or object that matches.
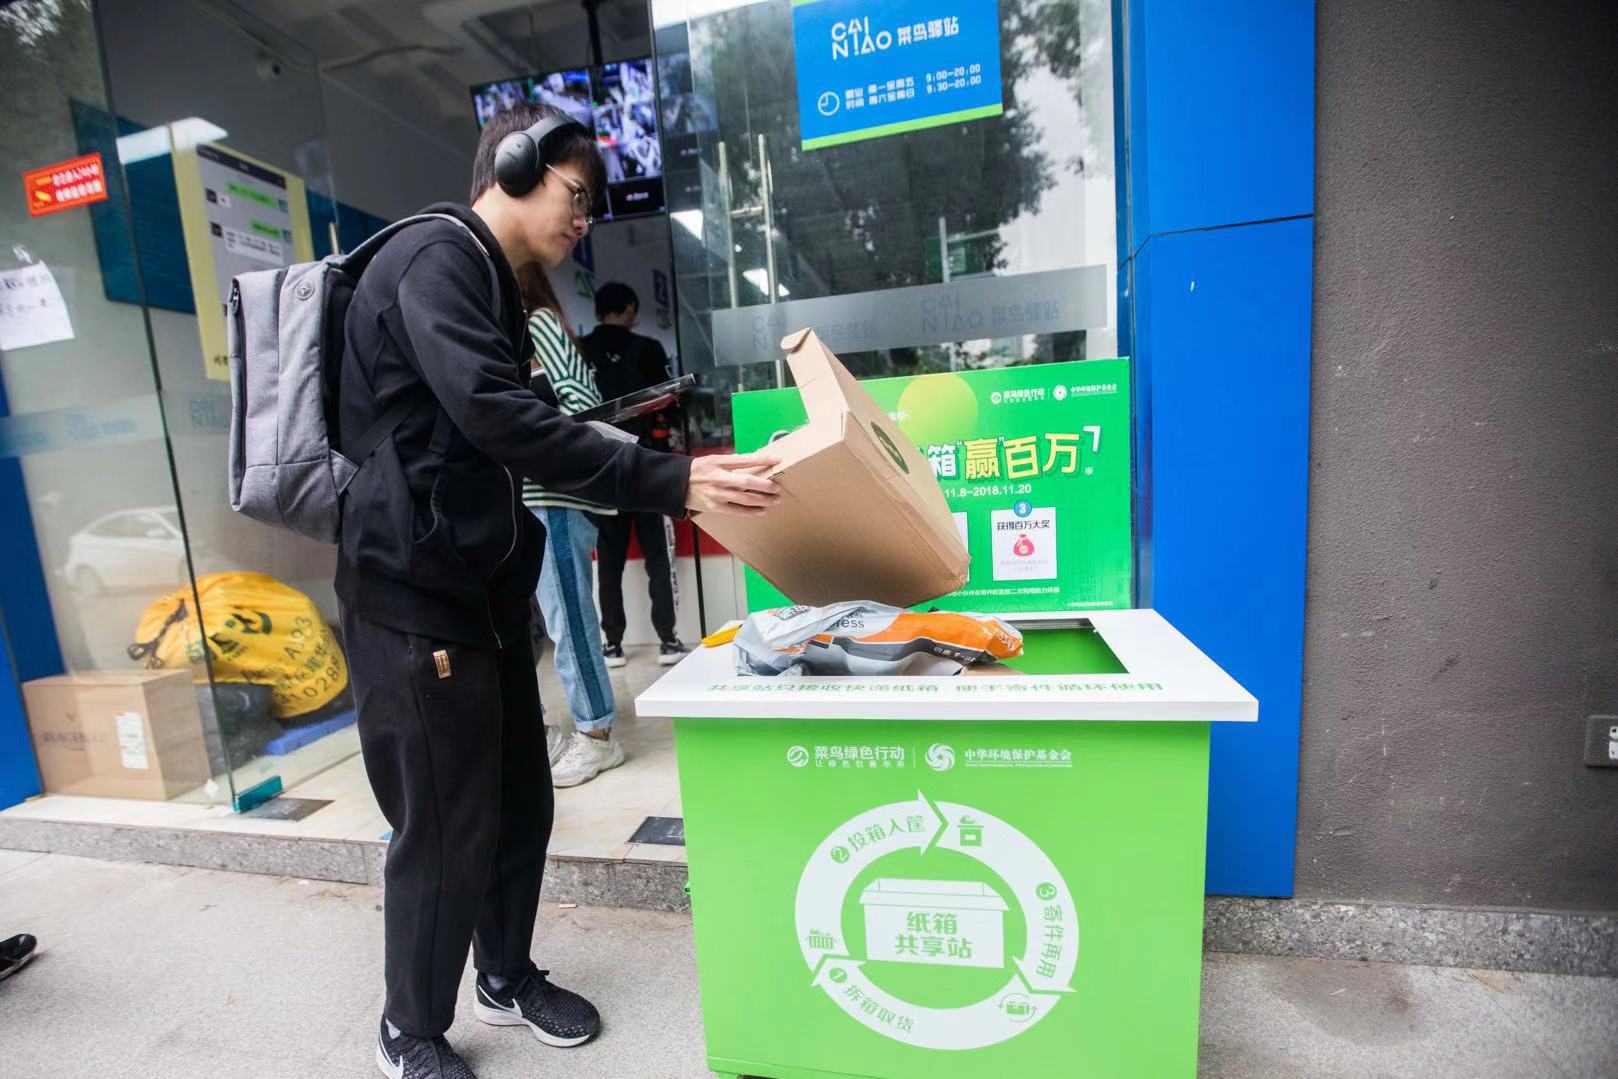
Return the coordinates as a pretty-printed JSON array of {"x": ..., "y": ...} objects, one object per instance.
[
  {"x": 613, "y": 654},
  {"x": 410, "y": 1057},
  {"x": 671, "y": 652},
  {"x": 555, "y": 1015},
  {"x": 16, "y": 953}
]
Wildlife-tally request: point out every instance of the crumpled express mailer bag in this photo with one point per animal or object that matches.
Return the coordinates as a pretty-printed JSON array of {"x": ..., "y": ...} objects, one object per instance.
[
  {"x": 865, "y": 638},
  {"x": 255, "y": 629}
]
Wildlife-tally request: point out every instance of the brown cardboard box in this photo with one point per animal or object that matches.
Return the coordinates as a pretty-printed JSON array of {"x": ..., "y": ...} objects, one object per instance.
[
  {"x": 117, "y": 734},
  {"x": 861, "y": 514}
]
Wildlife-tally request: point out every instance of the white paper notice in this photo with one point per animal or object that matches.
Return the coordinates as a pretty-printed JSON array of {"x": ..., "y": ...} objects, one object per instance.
[
  {"x": 32, "y": 311},
  {"x": 1024, "y": 545},
  {"x": 132, "y": 740}
]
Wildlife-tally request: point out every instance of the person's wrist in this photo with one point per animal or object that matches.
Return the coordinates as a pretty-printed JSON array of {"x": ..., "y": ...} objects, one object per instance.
[{"x": 689, "y": 465}]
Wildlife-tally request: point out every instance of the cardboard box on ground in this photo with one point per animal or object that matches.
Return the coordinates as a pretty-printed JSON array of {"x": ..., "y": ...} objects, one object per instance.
[
  {"x": 118, "y": 734},
  {"x": 861, "y": 514}
]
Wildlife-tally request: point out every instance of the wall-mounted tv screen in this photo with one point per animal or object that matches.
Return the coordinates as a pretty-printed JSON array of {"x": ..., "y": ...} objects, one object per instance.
[{"x": 619, "y": 103}]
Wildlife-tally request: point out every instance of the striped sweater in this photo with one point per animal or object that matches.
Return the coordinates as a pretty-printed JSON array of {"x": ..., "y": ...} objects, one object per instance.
[{"x": 576, "y": 391}]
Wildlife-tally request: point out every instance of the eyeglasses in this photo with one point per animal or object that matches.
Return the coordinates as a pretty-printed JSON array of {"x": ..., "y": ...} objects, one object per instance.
[{"x": 581, "y": 196}]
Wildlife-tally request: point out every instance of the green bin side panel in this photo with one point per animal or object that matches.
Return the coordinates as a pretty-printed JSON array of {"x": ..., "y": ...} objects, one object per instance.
[{"x": 1118, "y": 810}]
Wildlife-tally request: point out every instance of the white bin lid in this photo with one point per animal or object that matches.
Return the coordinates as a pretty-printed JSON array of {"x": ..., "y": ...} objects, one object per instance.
[{"x": 1168, "y": 679}]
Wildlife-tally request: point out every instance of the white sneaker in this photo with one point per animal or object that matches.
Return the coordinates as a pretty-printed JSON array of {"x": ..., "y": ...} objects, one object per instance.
[
  {"x": 585, "y": 758},
  {"x": 556, "y": 740}
]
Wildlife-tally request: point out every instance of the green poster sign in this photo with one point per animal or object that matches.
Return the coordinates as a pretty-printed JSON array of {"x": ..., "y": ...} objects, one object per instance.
[{"x": 1036, "y": 464}]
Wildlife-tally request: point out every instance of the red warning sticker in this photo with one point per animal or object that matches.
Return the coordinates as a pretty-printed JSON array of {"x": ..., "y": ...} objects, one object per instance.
[{"x": 65, "y": 185}]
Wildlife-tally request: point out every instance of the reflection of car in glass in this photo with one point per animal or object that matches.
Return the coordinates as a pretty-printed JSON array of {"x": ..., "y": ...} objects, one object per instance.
[{"x": 137, "y": 548}]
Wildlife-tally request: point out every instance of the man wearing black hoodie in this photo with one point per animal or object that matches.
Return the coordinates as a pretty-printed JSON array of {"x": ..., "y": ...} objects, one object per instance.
[{"x": 436, "y": 565}]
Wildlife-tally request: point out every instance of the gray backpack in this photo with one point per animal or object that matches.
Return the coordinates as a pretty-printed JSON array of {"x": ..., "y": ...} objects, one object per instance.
[{"x": 285, "y": 328}]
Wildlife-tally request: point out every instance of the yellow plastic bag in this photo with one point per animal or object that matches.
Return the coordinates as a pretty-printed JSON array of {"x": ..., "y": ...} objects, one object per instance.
[{"x": 257, "y": 630}]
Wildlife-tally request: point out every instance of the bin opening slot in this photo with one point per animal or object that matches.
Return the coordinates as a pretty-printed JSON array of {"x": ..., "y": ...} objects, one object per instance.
[{"x": 1064, "y": 648}]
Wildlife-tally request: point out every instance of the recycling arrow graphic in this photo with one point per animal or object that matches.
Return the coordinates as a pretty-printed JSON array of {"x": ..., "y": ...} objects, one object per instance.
[{"x": 1039, "y": 978}]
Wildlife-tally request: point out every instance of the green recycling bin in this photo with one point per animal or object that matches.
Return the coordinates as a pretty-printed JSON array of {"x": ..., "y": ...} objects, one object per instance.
[{"x": 954, "y": 878}]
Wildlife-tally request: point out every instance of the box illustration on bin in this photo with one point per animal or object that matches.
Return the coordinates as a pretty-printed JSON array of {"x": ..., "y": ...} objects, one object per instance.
[{"x": 946, "y": 922}]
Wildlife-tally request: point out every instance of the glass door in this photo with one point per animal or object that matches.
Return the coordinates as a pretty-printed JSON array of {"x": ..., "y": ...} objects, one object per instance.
[{"x": 930, "y": 186}]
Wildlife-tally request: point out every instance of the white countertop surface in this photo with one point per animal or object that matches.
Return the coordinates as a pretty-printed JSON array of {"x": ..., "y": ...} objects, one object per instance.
[{"x": 1169, "y": 679}]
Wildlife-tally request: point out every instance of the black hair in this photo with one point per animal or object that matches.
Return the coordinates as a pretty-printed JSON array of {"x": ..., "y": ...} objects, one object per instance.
[
  {"x": 613, "y": 297},
  {"x": 539, "y": 294},
  {"x": 569, "y": 145}
]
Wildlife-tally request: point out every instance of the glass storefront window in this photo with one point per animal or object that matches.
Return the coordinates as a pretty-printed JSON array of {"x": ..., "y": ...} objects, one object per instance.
[{"x": 156, "y": 663}]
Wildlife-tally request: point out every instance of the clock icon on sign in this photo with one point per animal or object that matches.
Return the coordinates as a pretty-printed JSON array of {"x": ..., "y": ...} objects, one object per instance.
[{"x": 829, "y": 103}]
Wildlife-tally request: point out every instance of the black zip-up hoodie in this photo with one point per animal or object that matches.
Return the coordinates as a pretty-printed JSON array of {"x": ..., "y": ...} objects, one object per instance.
[{"x": 435, "y": 539}]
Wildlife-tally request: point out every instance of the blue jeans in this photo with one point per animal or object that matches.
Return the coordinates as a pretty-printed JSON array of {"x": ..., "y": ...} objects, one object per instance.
[{"x": 568, "y": 605}]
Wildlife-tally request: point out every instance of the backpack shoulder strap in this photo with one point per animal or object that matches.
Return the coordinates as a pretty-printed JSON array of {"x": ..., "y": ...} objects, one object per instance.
[
  {"x": 384, "y": 425},
  {"x": 356, "y": 260}
]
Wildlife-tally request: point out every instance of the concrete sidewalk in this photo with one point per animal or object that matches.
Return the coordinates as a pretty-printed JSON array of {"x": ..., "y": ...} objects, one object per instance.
[{"x": 163, "y": 971}]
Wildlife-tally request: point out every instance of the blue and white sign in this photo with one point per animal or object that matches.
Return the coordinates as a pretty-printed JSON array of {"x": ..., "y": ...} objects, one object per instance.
[{"x": 869, "y": 68}]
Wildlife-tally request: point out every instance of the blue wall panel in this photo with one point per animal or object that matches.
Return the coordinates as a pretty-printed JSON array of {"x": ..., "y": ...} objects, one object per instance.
[
  {"x": 1219, "y": 187},
  {"x": 1221, "y": 113},
  {"x": 28, "y": 647},
  {"x": 19, "y": 778},
  {"x": 152, "y": 203},
  {"x": 1225, "y": 316}
]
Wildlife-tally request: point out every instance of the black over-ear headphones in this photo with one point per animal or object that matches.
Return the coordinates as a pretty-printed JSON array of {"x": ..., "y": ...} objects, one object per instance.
[{"x": 519, "y": 164}]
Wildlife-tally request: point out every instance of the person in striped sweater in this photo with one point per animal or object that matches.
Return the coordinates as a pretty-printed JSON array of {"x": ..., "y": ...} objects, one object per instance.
[{"x": 566, "y": 595}]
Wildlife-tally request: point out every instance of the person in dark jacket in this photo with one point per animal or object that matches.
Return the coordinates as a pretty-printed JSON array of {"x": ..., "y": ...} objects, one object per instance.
[
  {"x": 436, "y": 564},
  {"x": 623, "y": 362}
]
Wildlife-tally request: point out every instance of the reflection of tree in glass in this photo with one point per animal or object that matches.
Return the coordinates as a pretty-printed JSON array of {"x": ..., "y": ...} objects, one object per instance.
[
  {"x": 1055, "y": 34},
  {"x": 32, "y": 21}
]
